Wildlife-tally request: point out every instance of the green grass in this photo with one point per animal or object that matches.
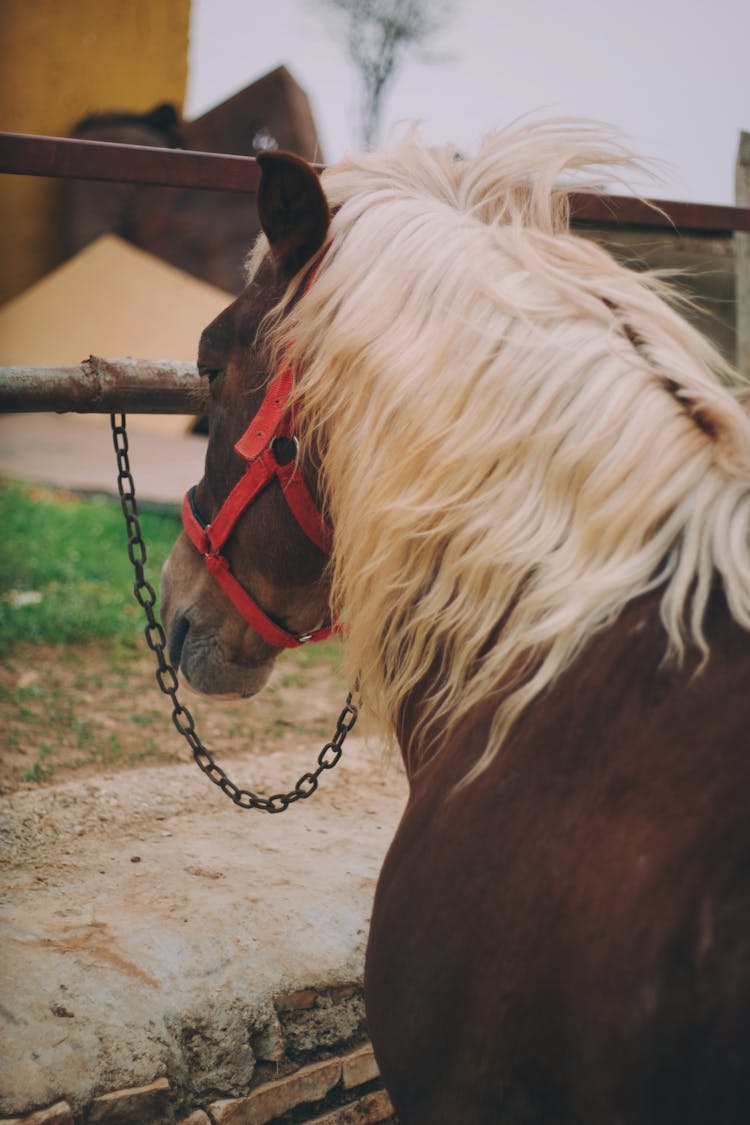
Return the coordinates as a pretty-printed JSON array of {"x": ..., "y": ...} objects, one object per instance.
[
  {"x": 66, "y": 583},
  {"x": 42, "y": 768},
  {"x": 65, "y": 575}
]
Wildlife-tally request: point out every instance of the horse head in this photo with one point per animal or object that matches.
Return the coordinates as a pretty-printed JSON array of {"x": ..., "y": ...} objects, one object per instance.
[{"x": 248, "y": 575}]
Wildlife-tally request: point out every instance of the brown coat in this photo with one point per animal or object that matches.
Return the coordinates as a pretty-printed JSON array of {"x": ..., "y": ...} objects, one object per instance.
[{"x": 568, "y": 938}]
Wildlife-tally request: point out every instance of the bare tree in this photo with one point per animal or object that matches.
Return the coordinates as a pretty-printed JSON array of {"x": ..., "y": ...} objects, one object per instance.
[{"x": 378, "y": 33}]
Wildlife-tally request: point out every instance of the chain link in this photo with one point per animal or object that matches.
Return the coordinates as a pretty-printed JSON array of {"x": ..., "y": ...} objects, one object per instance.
[{"x": 166, "y": 677}]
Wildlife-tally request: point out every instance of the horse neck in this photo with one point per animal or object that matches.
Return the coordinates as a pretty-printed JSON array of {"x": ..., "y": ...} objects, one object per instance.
[{"x": 615, "y": 672}]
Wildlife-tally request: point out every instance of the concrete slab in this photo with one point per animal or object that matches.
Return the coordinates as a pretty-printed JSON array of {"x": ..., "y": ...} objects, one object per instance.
[{"x": 152, "y": 929}]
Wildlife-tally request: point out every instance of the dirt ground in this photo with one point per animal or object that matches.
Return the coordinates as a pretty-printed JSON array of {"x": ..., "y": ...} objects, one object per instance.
[
  {"x": 74, "y": 718},
  {"x": 80, "y": 711}
]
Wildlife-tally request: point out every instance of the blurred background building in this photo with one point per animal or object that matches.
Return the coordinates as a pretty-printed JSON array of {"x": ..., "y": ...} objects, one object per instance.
[{"x": 119, "y": 71}]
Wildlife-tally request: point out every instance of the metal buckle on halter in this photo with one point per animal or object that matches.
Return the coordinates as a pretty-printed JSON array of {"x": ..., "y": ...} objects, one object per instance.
[{"x": 281, "y": 438}]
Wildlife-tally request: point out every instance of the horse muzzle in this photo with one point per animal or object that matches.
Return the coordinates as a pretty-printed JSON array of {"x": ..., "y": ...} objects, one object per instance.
[{"x": 214, "y": 653}]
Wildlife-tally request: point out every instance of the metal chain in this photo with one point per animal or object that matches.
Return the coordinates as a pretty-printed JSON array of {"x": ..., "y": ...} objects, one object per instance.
[{"x": 166, "y": 677}]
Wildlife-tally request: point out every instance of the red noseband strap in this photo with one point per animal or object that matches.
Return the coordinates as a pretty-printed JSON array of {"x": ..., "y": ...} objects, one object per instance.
[{"x": 257, "y": 447}]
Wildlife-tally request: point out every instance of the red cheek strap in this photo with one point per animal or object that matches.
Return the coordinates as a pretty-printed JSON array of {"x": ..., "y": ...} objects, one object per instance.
[
  {"x": 262, "y": 468},
  {"x": 248, "y": 607},
  {"x": 274, "y": 420}
]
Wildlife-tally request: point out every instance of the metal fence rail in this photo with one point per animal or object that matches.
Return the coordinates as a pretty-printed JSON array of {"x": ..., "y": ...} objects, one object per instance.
[
  {"x": 104, "y": 386},
  {"x": 64, "y": 158},
  {"x": 152, "y": 387},
  {"x": 23, "y": 154}
]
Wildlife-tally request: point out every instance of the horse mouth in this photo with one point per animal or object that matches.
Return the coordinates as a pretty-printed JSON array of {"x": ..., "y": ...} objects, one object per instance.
[
  {"x": 205, "y": 668},
  {"x": 177, "y": 637}
]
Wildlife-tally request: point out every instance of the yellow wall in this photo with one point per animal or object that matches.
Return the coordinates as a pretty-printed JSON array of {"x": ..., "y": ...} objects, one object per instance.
[{"x": 62, "y": 60}]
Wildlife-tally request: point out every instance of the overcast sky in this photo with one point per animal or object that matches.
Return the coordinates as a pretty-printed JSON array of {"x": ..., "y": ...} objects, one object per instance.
[{"x": 674, "y": 75}]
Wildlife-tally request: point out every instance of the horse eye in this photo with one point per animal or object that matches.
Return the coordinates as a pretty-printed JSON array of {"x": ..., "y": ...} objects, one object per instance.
[{"x": 210, "y": 373}]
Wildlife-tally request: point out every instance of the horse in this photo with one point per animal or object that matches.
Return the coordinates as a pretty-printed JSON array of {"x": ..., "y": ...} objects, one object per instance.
[{"x": 511, "y": 473}]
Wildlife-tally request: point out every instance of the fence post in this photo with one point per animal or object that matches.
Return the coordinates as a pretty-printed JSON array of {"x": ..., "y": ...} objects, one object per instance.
[{"x": 742, "y": 257}]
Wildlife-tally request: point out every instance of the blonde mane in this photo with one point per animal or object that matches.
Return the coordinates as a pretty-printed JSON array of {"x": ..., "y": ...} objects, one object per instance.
[{"x": 519, "y": 435}]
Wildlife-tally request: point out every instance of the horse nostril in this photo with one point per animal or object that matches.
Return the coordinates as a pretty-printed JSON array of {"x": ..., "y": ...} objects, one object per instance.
[{"x": 177, "y": 635}]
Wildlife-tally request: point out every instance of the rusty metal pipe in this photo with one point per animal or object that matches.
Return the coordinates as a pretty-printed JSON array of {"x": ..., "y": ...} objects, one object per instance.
[{"x": 102, "y": 386}]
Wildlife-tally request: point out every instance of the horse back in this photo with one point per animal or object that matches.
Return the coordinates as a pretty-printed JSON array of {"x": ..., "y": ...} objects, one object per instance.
[{"x": 567, "y": 938}]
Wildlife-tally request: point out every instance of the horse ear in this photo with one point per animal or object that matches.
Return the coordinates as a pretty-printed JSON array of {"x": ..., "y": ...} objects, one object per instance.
[{"x": 292, "y": 209}]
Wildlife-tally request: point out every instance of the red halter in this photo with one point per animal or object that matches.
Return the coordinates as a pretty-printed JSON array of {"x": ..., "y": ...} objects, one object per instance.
[{"x": 273, "y": 421}]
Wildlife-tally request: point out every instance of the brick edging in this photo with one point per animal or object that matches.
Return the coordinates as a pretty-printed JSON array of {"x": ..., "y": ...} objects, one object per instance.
[{"x": 352, "y": 1077}]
